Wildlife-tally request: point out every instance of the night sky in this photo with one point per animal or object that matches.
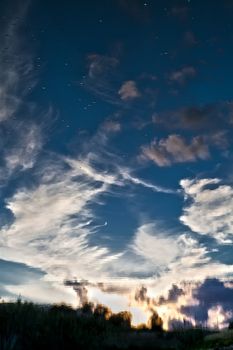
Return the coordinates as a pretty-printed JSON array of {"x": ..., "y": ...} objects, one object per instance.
[{"x": 116, "y": 129}]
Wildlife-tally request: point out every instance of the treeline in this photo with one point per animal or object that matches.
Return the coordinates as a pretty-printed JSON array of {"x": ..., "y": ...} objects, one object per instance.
[{"x": 28, "y": 326}]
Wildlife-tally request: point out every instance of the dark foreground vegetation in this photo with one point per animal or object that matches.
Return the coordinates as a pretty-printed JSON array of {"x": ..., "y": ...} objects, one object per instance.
[{"x": 27, "y": 326}]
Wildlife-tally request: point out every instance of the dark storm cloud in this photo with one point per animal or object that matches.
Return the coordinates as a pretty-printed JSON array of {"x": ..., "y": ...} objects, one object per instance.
[
  {"x": 196, "y": 117},
  {"x": 211, "y": 293},
  {"x": 81, "y": 288},
  {"x": 211, "y": 117},
  {"x": 141, "y": 295},
  {"x": 112, "y": 288},
  {"x": 173, "y": 294}
]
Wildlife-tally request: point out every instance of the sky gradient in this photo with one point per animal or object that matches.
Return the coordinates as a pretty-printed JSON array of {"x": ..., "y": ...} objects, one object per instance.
[{"x": 116, "y": 128}]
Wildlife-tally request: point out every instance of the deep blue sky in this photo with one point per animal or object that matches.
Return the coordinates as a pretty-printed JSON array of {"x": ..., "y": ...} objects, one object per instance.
[{"x": 116, "y": 125}]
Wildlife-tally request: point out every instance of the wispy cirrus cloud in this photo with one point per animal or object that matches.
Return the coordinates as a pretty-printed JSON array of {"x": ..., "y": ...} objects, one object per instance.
[
  {"x": 128, "y": 176},
  {"x": 101, "y": 77},
  {"x": 16, "y": 66},
  {"x": 183, "y": 75},
  {"x": 100, "y": 66},
  {"x": 23, "y": 152},
  {"x": 56, "y": 241},
  {"x": 21, "y": 135},
  {"x": 103, "y": 81}
]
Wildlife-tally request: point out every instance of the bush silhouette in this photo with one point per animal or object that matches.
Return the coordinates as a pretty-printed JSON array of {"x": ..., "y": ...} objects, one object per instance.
[{"x": 155, "y": 322}]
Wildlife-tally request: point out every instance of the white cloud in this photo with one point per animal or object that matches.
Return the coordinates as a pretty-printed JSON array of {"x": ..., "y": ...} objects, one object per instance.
[
  {"x": 175, "y": 149},
  {"x": 111, "y": 126},
  {"x": 44, "y": 292},
  {"x": 129, "y": 91},
  {"x": 210, "y": 210},
  {"x": 172, "y": 258},
  {"x": 53, "y": 221},
  {"x": 155, "y": 245}
]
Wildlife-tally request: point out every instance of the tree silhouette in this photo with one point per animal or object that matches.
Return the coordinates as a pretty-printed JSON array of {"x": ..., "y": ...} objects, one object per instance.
[
  {"x": 121, "y": 319},
  {"x": 102, "y": 311}
]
